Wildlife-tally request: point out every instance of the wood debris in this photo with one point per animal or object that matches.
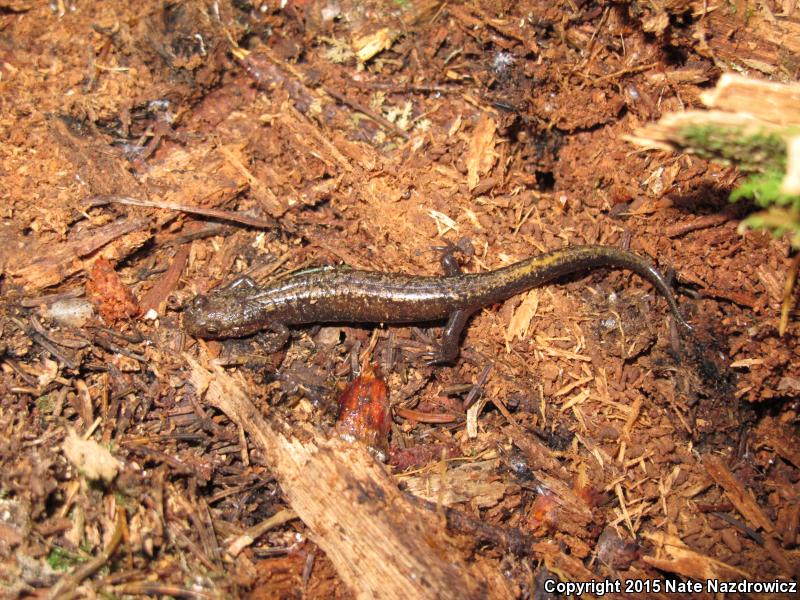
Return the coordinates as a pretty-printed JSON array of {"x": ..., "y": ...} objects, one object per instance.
[{"x": 154, "y": 151}]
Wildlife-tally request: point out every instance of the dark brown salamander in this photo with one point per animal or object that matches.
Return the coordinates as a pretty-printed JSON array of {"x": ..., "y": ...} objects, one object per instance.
[{"x": 347, "y": 296}]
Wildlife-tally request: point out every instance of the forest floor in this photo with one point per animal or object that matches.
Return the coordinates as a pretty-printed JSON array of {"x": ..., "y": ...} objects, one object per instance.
[{"x": 151, "y": 152}]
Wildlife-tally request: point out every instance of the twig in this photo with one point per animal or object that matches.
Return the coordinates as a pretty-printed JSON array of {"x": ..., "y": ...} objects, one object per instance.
[
  {"x": 365, "y": 110},
  {"x": 112, "y": 347},
  {"x": 159, "y": 292},
  {"x": 208, "y": 230},
  {"x": 701, "y": 223},
  {"x": 73, "y": 344},
  {"x": 405, "y": 89},
  {"x": 478, "y": 387},
  {"x": 178, "y": 467},
  {"x": 148, "y": 588},
  {"x": 26, "y": 377},
  {"x": 66, "y": 588},
  {"x": 45, "y": 343},
  {"x": 791, "y": 279},
  {"x": 590, "y": 53},
  {"x": 256, "y": 531},
  {"x": 224, "y": 215},
  {"x": 35, "y": 301},
  {"x": 749, "y": 532},
  {"x": 513, "y": 540},
  {"x": 424, "y": 417},
  {"x": 621, "y": 72}
]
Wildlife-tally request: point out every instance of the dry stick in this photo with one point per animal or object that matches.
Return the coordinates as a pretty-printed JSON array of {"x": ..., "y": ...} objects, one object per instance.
[
  {"x": 66, "y": 588},
  {"x": 381, "y": 545},
  {"x": 47, "y": 299},
  {"x": 45, "y": 343},
  {"x": 511, "y": 539},
  {"x": 425, "y": 417},
  {"x": 786, "y": 307},
  {"x": 149, "y": 588},
  {"x": 225, "y": 215},
  {"x": 695, "y": 224},
  {"x": 399, "y": 88},
  {"x": 590, "y": 53},
  {"x": 620, "y": 73},
  {"x": 365, "y": 110},
  {"x": 259, "y": 529}
]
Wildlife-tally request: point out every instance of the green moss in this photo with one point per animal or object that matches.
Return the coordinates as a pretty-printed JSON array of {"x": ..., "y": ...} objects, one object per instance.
[
  {"x": 44, "y": 404},
  {"x": 765, "y": 190},
  {"x": 61, "y": 559},
  {"x": 760, "y": 154},
  {"x": 751, "y": 152}
]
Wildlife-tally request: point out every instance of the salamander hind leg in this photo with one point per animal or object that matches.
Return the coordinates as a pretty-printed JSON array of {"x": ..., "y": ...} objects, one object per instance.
[{"x": 451, "y": 338}]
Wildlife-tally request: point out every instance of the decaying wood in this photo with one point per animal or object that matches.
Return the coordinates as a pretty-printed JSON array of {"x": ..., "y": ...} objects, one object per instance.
[
  {"x": 780, "y": 438},
  {"x": 155, "y": 298},
  {"x": 46, "y": 266},
  {"x": 203, "y": 176},
  {"x": 774, "y": 102},
  {"x": 382, "y": 545},
  {"x": 764, "y": 44},
  {"x": 749, "y": 106},
  {"x": 476, "y": 483},
  {"x": 737, "y": 493},
  {"x": 94, "y": 161},
  {"x": 512, "y": 120},
  {"x": 673, "y": 556}
]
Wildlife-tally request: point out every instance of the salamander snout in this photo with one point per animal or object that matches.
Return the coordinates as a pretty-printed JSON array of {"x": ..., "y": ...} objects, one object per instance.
[
  {"x": 195, "y": 318},
  {"x": 198, "y": 303}
]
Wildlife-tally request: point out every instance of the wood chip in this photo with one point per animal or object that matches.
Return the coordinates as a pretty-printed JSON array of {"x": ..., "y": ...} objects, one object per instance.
[
  {"x": 481, "y": 155},
  {"x": 673, "y": 556},
  {"x": 735, "y": 491},
  {"x": 774, "y": 434},
  {"x": 381, "y": 545},
  {"x": 474, "y": 482}
]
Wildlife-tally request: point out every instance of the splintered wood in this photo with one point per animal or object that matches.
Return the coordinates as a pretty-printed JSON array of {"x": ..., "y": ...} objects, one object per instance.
[
  {"x": 152, "y": 151},
  {"x": 741, "y": 498},
  {"x": 746, "y": 106},
  {"x": 382, "y": 545},
  {"x": 673, "y": 556}
]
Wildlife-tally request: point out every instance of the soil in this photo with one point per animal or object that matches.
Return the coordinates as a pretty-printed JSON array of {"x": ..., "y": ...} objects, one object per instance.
[{"x": 153, "y": 151}]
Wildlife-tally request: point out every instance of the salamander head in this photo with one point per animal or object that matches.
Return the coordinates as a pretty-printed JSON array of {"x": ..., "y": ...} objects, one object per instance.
[{"x": 228, "y": 311}]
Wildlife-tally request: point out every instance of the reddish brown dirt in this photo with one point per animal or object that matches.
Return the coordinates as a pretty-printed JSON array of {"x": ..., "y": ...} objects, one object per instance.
[{"x": 184, "y": 143}]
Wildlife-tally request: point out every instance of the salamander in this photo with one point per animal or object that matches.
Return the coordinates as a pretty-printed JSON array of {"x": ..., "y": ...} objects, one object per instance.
[{"x": 342, "y": 295}]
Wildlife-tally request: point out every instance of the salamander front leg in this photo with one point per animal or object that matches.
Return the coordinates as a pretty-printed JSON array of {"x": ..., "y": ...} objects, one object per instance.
[
  {"x": 451, "y": 334},
  {"x": 243, "y": 282},
  {"x": 276, "y": 338},
  {"x": 450, "y": 264}
]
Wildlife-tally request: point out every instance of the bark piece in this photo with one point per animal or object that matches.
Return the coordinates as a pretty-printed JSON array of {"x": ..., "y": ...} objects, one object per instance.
[
  {"x": 741, "y": 498},
  {"x": 45, "y": 265},
  {"x": 380, "y": 543},
  {"x": 112, "y": 298}
]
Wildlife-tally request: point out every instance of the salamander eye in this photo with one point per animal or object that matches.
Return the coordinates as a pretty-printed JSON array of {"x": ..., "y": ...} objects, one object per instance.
[{"x": 212, "y": 329}]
